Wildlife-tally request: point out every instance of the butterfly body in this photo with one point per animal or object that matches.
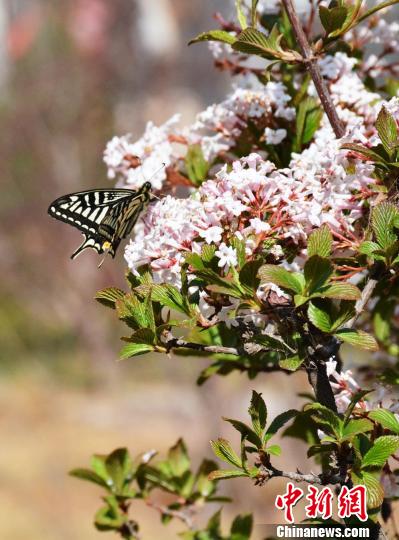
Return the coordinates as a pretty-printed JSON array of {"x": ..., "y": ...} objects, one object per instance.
[{"x": 104, "y": 216}]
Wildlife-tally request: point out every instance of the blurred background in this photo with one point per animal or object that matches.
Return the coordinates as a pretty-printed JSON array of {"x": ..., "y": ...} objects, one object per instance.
[{"x": 72, "y": 74}]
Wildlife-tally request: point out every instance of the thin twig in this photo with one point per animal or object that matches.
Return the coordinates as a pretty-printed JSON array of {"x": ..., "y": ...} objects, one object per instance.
[
  {"x": 314, "y": 69},
  {"x": 363, "y": 300},
  {"x": 164, "y": 510}
]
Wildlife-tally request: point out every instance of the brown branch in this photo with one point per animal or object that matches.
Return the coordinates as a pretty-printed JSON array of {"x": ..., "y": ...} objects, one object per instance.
[
  {"x": 268, "y": 471},
  {"x": 314, "y": 69},
  {"x": 164, "y": 510}
]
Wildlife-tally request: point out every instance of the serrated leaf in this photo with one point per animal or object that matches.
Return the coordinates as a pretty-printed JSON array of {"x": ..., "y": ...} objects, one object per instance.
[
  {"x": 278, "y": 422},
  {"x": 252, "y": 41},
  {"x": 119, "y": 468},
  {"x": 223, "y": 450},
  {"x": 227, "y": 473},
  {"x": 356, "y": 426},
  {"x": 135, "y": 349},
  {"x": 241, "y": 527},
  {"x": 332, "y": 19},
  {"x": 387, "y": 130},
  {"x": 339, "y": 291},
  {"x": 357, "y": 338},
  {"x": 317, "y": 271},
  {"x": 386, "y": 418},
  {"x": 383, "y": 220},
  {"x": 319, "y": 317},
  {"x": 258, "y": 413},
  {"x": 248, "y": 274},
  {"x": 381, "y": 450},
  {"x": 241, "y": 15},
  {"x": 196, "y": 165},
  {"x": 270, "y": 273},
  {"x": 254, "y": 5},
  {"x": 170, "y": 296},
  {"x": 374, "y": 490},
  {"x": 365, "y": 152},
  {"x": 109, "y": 296},
  {"x": 133, "y": 311},
  {"x": 214, "y": 35},
  {"x": 274, "y": 450},
  {"x": 325, "y": 417},
  {"x": 178, "y": 458},
  {"x": 246, "y": 432},
  {"x": 308, "y": 118},
  {"x": 292, "y": 363},
  {"x": 368, "y": 247},
  {"x": 272, "y": 342},
  {"x": 320, "y": 242},
  {"x": 89, "y": 476}
]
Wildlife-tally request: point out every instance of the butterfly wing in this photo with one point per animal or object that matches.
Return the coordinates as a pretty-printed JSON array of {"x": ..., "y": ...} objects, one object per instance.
[{"x": 104, "y": 216}]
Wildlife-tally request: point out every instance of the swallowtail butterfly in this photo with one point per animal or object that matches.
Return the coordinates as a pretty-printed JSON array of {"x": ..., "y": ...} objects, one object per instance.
[{"x": 105, "y": 216}]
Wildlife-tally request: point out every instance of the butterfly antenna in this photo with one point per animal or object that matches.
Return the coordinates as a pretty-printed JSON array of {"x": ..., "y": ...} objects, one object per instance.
[{"x": 156, "y": 172}]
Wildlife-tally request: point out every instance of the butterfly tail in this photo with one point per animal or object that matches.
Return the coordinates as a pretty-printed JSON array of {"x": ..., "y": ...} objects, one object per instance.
[{"x": 87, "y": 243}]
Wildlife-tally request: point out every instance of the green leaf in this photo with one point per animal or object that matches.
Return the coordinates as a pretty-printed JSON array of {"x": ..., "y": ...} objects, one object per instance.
[
  {"x": 143, "y": 335},
  {"x": 227, "y": 473},
  {"x": 119, "y": 467},
  {"x": 109, "y": 518},
  {"x": 223, "y": 450},
  {"x": 382, "y": 449},
  {"x": 375, "y": 492},
  {"x": 135, "y": 349},
  {"x": 272, "y": 342},
  {"x": 203, "y": 484},
  {"x": 242, "y": 527},
  {"x": 319, "y": 317},
  {"x": 339, "y": 291},
  {"x": 137, "y": 313},
  {"x": 320, "y": 242},
  {"x": 274, "y": 450},
  {"x": 332, "y": 19},
  {"x": 89, "y": 476},
  {"x": 241, "y": 15},
  {"x": 387, "y": 130},
  {"x": 309, "y": 115},
  {"x": 325, "y": 417},
  {"x": 270, "y": 273},
  {"x": 178, "y": 458},
  {"x": 292, "y": 363},
  {"x": 254, "y": 5},
  {"x": 368, "y": 247},
  {"x": 279, "y": 422},
  {"x": 318, "y": 271},
  {"x": 214, "y": 35},
  {"x": 252, "y": 41},
  {"x": 354, "y": 427},
  {"x": 170, "y": 296},
  {"x": 383, "y": 220},
  {"x": 248, "y": 274},
  {"x": 386, "y": 418},
  {"x": 196, "y": 165},
  {"x": 258, "y": 413},
  {"x": 109, "y": 296},
  {"x": 357, "y": 338},
  {"x": 365, "y": 152},
  {"x": 246, "y": 432}
]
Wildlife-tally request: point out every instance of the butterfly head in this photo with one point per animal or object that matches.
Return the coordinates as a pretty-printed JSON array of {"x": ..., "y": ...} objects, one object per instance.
[{"x": 146, "y": 187}]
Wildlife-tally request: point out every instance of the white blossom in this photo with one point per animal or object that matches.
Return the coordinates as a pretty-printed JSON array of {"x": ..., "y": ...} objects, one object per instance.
[{"x": 227, "y": 255}]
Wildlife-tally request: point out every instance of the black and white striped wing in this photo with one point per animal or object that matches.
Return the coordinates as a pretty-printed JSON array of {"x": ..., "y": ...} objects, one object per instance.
[{"x": 101, "y": 215}]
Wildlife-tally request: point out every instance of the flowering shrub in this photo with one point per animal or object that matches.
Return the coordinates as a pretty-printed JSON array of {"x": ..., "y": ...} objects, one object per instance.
[{"x": 274, "y": 233}]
